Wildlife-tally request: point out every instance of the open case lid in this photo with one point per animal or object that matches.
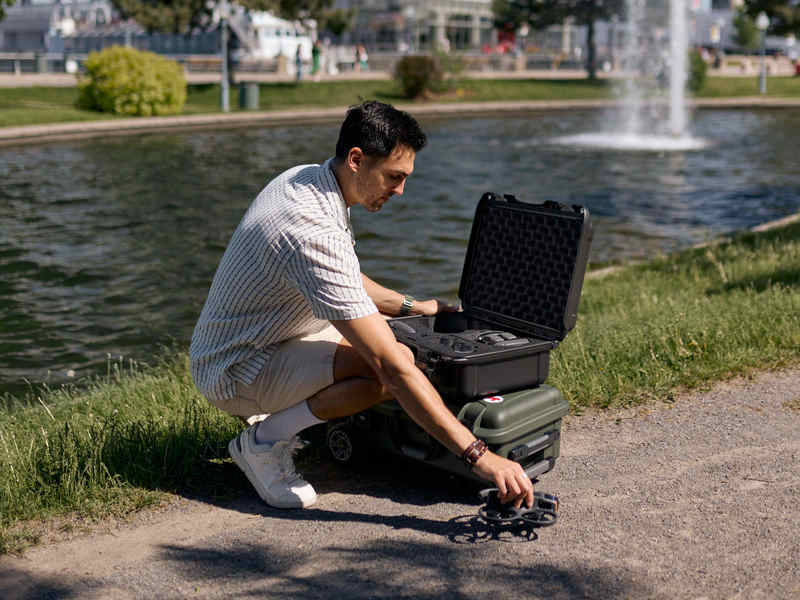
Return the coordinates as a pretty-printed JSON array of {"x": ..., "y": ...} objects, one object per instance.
[{"x": 525, "y": 265}]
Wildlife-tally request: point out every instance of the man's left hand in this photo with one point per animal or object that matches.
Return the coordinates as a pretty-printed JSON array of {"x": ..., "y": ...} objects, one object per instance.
[{"x": 434, "y": 307}]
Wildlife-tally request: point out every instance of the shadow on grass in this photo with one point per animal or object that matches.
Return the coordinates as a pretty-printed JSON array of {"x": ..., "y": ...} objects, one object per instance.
[{"x": 782, "y": 277}]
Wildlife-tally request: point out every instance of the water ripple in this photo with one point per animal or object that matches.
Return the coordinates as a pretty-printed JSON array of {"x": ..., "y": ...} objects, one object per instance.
[{"x": 108, "y": 246}]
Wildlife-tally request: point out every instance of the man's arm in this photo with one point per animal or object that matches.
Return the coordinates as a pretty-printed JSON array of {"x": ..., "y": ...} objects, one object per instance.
[
  {"x": 374, "y": 341},
  {"x": 389, "y": 302}
]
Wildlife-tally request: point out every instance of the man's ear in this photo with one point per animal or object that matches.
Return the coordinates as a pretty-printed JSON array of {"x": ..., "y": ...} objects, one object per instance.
[{"x": 355, "y": 158}]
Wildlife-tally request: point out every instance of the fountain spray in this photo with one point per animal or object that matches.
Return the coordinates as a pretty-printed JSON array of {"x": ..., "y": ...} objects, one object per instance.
[
  {"x": 652, "y": 88},
  {"x": 677, "y": 81}
]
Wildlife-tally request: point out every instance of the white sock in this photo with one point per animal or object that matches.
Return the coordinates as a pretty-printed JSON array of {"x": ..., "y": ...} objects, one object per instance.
[{"x": 285, "y": 424}]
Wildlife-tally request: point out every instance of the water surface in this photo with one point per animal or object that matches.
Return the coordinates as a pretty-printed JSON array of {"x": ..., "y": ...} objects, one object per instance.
[{"x": 108, "y": 246}]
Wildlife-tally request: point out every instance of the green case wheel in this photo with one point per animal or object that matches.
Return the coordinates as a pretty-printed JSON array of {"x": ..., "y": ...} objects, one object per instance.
[{"x": 341, "y": 443}]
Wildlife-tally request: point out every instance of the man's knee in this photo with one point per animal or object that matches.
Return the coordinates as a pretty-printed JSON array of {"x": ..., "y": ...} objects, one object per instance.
[
  {"x": 349, "y": 363},
  {"x": 407, "y": 352}
]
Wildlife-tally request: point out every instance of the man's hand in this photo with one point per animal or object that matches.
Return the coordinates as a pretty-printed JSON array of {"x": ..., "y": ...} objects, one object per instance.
[
  {"x": 433, "y": 307},
  {"x": 389, "y": 302},
  {"x": 509, "y": 478}
]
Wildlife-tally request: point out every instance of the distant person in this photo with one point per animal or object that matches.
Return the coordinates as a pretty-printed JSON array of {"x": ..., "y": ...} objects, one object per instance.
[
  {"x": 362, "y": 59},
  {"x": 329, "y": 60},
  {"x": 293, "y": 328}
]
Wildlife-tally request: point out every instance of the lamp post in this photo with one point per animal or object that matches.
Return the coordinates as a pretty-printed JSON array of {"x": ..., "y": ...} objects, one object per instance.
[
  {"x": 410, "y": 16},
  {"x": 716, "y": 37},
  {"x": 762, "y": 22},
  {"x": 224, "y": 95}
]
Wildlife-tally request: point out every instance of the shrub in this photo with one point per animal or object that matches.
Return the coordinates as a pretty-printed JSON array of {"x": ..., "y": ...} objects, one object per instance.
[
  {"x": 416, "y": 74},
  {"x": 127, "y": 81},
  {"x": 697, "y": 71}
]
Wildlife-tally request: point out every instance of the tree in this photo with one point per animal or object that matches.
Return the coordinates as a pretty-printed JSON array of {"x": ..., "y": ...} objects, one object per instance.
[
  {"x": 784, "y": 15},
  {"x": 540, "y": 14},
  {"x": 746, "y": 33},
  {"x": 3, "y": 4},
  {"x": 336, "y": 21},
  {"x": 181, "y": 16}
]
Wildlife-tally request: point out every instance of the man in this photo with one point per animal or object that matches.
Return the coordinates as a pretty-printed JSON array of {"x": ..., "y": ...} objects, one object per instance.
[{"x": 291, "y": 326}]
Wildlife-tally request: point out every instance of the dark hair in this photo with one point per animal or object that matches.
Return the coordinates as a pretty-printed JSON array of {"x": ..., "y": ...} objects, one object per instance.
[{"x": 377, "y": 128}]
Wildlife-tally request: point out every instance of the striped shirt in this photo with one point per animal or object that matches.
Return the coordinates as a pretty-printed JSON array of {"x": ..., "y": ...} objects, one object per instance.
[{"x": 289, "y": 268}]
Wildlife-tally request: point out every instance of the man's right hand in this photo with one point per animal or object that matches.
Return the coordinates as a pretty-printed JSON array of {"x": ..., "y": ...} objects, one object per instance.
[
  {"x": 509, "y": 478},
  {"x": 393, "y": 365}
]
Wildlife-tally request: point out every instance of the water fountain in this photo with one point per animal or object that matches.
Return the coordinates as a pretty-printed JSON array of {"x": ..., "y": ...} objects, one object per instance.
[{"x": 653, "y": 114}]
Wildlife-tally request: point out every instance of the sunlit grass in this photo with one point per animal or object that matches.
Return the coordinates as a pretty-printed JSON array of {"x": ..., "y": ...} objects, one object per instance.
[
  {"x": 719, "y": 87},
  {"x": 684, "y": 320},
  {"x": 111, "y": 449},
  {"x": 39, "y": 105}
]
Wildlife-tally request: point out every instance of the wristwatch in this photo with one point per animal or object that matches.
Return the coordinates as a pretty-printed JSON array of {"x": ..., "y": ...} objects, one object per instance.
[{"x": 408, "y": 304}]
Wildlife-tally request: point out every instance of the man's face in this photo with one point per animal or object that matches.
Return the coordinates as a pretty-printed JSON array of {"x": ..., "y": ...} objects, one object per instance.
[{"x": 378, "y": 179}]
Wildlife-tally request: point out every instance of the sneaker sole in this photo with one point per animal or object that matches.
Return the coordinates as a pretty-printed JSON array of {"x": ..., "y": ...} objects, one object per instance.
[{"x": 254, "y": 481}]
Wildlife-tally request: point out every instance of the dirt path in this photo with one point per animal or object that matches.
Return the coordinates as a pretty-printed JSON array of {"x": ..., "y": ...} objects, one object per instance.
[{"x": 696, "y": 499}]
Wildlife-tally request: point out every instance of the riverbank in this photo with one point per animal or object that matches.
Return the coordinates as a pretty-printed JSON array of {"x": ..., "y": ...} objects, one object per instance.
[
  {"x": 37, "y": 114},
  {"x": 79, "y": 130},
  {"x": 646, "y": 333}
]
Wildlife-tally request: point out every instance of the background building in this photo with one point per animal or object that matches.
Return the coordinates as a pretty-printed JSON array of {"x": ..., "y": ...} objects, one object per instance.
[{"x": 411, "y": 25}]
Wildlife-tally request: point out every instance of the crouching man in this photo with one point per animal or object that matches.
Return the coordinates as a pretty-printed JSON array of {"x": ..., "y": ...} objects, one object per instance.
[{"x": 291, "y": 327}]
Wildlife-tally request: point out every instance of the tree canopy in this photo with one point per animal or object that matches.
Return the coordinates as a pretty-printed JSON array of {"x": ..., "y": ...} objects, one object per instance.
[
  {"x": 540, "y": 14},
  {"x": 180, "y": 16},
  {"x": 543, "y": 13},
  {"x": 784, "y": 15},
  {"x": 745, "y": 31},
  {"x": 3, "y": 4}
]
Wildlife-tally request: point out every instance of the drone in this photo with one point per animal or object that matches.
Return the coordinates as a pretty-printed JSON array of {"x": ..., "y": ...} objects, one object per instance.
[{"x": 542, "y": 513}]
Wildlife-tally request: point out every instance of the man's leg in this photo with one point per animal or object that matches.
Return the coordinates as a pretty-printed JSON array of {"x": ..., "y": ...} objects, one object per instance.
[
  {"x": 355, "y": 388},
  {"x": 264, "y": 451}
]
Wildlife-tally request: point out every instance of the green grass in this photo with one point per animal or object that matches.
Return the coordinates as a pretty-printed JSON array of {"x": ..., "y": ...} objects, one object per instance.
[
  {"x": 722, "y": 87},
  {"x": 37, "y": 105},
  {"x": 644, "y": 333},
  {"x": 40, "y": 105},
  {"x": 109, "y": 450},
  {"x": 684, "y": 320}
]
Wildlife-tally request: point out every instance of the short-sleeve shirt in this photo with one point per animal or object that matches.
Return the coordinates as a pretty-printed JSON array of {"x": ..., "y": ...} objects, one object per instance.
[{"x": 289, "y": 269}]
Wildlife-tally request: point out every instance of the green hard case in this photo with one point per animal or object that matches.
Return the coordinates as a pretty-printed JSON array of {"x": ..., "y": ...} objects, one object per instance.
[{"x": 524, "y": 426}]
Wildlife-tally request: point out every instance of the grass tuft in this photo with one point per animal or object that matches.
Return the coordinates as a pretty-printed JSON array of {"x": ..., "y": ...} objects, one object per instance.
[{"x": 113, "y": 448}]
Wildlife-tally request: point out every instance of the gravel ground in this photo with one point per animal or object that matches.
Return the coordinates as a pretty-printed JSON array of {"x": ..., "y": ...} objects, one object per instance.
[{"x": 697, "y": 498}]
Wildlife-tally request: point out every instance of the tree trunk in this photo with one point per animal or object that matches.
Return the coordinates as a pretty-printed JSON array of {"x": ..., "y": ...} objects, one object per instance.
[{"x": 591, "y": 51}]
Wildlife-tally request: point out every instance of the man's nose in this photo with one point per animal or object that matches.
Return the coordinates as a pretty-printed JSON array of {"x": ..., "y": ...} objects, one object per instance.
[{"x": 398, "y": 189}]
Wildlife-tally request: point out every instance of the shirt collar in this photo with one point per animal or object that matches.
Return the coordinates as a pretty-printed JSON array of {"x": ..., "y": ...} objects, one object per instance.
[{"x": 330, "y": 186}]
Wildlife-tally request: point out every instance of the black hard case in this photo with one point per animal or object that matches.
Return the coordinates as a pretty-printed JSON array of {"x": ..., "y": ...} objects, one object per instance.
[
  {"x": 522, "y": 277},
  {"x": 521, "y": 280}
]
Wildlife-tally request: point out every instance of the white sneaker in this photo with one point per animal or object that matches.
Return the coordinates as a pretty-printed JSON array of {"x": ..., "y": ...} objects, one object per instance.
[
  {"x": 256, "y": 419},
  {"x": 270, "y": 469}
]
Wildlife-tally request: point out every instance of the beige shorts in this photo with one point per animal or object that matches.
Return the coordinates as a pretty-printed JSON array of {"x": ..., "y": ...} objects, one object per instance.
[{"x": 298, "y": 369}]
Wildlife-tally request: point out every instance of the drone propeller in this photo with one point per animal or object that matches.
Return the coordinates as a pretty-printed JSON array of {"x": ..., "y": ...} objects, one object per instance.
[{"x": 543, "y": 512}]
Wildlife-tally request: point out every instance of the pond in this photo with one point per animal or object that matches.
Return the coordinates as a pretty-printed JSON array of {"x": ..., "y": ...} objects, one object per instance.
[{"x": 108, "y": 246}]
